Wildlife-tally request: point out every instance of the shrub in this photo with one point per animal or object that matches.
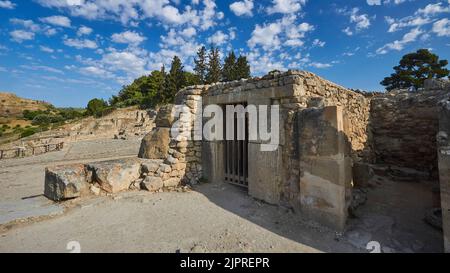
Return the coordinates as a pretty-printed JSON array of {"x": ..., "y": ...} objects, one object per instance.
[{"x": 28, "y": 132}]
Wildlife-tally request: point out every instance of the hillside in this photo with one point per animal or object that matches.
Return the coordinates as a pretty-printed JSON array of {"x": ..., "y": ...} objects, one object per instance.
[{"x": 12, "y": 106}]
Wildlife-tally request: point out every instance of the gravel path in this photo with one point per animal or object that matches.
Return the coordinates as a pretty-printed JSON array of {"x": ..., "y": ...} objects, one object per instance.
[{"x": 213, "y": 217}]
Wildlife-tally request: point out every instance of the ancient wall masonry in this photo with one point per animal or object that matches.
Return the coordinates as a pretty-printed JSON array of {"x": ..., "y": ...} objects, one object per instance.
[
  {"x": 404, "y": 125},
  {"x": 443, "y": 142},
  {"x": 276, "y": 177},
  {"x": 329, "y": 136},
  {"x": 172, "y": 140}
]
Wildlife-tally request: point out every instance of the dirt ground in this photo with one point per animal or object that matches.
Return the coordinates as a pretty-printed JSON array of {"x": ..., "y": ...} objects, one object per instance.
[{"x": 212, "y": 217}]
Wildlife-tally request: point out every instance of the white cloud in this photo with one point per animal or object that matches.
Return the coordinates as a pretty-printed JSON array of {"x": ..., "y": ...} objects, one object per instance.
[
  {"x": 320, "y": 65},
  {"x": 219, "y": 38},
  {"x": 83, "y": 30},
  {"x": 42, "y": 67},
  {"x": 442, "y": 27},
  {"x": 285, "y": 6},
  {"x": 433, "y": 9},
  {"x": 128, "y": 37},
  {"x": 241, "y": 8},
  {"x": 128, "y": 12},
  {"x": 97, "y": 72},
  {"x": 318, "y": 43},
  {"x": 266, "y": 36},
  {"x": 374, "y": 2},
  {"x": 348, "y": 31},
  {"x": 400, "y": 44},
  {"x": 57, "y": 20},
  {"x": 281, "y": 32},
  {"x": 421, "y": 17},
  {"x": 21, "y": 35},
  {"x": 79, "y": 43},
  {"x": 188, "y": 32},
  {"x": 46, "y": 49},
  {"x": 7, "y": 5},
  {"x": 362, "y": 20},
  {"x": 28, "y": 24}
]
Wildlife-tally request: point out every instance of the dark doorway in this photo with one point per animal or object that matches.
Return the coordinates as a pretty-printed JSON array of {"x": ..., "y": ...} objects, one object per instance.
[{"x": 236, "y": 152}]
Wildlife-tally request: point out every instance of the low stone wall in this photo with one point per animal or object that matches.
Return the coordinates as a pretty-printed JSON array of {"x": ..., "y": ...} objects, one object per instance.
[{"x": 404, "y": 127}]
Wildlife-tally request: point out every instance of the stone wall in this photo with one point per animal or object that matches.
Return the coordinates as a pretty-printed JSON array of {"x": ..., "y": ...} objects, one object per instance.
[
  {"x": 443, "y": 140},
  {"x": 404, "y": 126},
  {"x": 172, "y": 140},
  {"x": 279, "y": 180}
]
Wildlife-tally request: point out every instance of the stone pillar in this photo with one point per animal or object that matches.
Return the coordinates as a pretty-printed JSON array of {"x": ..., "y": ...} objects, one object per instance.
[
  {"x": 325, "y": 166},
  {"x": 443, "y": 140},
  {"x": 264, "y": 167}
]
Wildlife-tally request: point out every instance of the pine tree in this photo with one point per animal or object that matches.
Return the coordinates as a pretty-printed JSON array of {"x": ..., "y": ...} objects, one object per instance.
[
  {"x": 174, "y": 81},
  {"x": 214, "y": 67},
  {"x": 415, "y": 68},
  {"x": 229, "y": 72},
  {"x": 242, "y": 68},
  {"x": 201, "y": 65}
]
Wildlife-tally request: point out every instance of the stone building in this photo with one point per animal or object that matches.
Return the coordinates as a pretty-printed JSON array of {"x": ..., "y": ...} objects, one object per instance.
[{"x": 331, "y": 139}]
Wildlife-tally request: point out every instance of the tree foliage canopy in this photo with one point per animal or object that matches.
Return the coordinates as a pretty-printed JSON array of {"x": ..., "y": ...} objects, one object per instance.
[
  {"x": 161, "y": 87},
  {"x": 414, "y": 69}
]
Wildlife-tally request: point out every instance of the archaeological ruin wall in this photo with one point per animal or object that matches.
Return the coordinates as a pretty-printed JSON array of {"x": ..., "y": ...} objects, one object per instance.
[
  {"x": 443, "y": 141},
  {"x": 404, "y": 125},
  {"x": 277, "y": 177}
]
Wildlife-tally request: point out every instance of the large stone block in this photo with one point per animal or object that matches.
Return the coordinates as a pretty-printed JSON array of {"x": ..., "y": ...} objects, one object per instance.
[
  {"x": 65, "y": 182},
  {"x": 155, "y": 145},
  {"x": 165, "y": 116},
  {"x": 325, "y": 166},
  {"x": 152, "y": 183},
  {"x": 265, "y": 175},
  {"x": 323, "y": 201},
  {"x": 115, "y": 175},
  {"x": 321, "y": 132}
]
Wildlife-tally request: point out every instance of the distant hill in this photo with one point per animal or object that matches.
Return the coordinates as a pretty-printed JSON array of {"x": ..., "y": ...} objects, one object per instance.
[{"x": 12, "y": 106}]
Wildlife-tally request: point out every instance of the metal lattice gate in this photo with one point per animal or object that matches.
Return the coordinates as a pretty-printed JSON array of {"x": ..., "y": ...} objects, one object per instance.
[{"x": 236, "y": 155}]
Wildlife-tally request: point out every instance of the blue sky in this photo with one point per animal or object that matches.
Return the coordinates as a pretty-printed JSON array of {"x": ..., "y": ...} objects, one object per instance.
[{"x": 69, "y": 51}]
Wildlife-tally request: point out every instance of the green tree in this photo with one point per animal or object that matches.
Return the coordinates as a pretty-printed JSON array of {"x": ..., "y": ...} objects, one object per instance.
[
  {"x": 191, "y": 79},
  {"x": 201, "y": 65},
  {"x": 96, "y": 107},
  {"x": 229, "y": 72},
  {"x": 214, "y": 67},
  {"x": 242, "y": 68},
  {"x": 153, "y": 88},
  {"x": 414, "y": 69},
  {"x": 174, "y": 81}
]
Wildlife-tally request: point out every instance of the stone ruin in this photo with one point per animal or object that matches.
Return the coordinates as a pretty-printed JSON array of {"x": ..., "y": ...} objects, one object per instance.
[{"x": 332, "y": 140}]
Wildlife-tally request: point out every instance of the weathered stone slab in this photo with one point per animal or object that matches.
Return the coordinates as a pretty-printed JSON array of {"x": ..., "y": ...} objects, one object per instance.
[
  {"x": 152, "y": 183},
  {"x": 150, "y": 166},
  {"x": 165, "y": 116},
  {"x": 325, "y": 166},
  {"x": 65, "y": 182},
  {"x": 155, "y": 145},
  {"x": 172, "y": 182},
  {"x": 116, "y": 175},
  {"x": 264, "y": 183}
]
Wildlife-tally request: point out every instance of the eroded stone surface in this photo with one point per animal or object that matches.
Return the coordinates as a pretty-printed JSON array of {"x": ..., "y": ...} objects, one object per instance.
[
  {"x": 116, "y": 175},
  {"x": 65, "y": 182},
  {"x": 155, "y": 145}
]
